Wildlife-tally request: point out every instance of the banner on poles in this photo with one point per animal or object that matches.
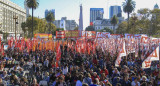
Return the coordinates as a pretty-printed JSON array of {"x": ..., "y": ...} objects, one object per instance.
[
  {"x": 43, "y": 36},
  {"x": 72, "y": 34},
  {"x": 89, "y": 34},
  {"x": 129, "y": 35},
  {"x": 116, "y": 36},
  {"x": 60, "y": 34},
  {"x": 103, "y": 35}
]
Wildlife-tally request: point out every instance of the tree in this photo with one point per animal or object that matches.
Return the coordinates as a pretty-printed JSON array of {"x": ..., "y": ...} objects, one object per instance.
[
  {"x": 122, "y": 28},
  {"x": 50, "y": 18},
  {"x": 106, "y": 29},
  {"x": 145, "y": 12},
  {"x": 33, "y": 4},
  {"x": 23, "y": 26},
  {"x": 114, "y": 21},
  {"x": 90, "y": 28},
  {"x": 39, "y": 25},
  {"x": 134, "y": 23},
  {"x": 128, "y": 7},
  {"x": 155, "y": 22},
  {"x": 52, "y": 28},
  {"x": 76, "y": 28}
]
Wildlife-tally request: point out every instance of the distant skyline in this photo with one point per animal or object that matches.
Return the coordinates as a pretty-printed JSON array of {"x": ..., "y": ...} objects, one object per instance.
[{"x": 71, "y": 8}]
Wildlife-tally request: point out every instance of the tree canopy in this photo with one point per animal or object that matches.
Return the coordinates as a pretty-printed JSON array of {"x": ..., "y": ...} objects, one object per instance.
[{"x": 90, "y": 28}]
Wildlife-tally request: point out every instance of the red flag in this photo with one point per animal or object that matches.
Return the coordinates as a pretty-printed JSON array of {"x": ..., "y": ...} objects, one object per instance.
[
  {"x": 58, "y": 54},
  {"x": 2, "y": 50}
]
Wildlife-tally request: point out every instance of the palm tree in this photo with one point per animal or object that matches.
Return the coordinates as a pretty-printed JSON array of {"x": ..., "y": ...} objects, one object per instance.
[
  {"x": 23, "y": 26},
  {"x": 50, "y": 18},
  {"x": 114, "y": 21},
  {"x": 128, "y": 7},
  {"x": 33, "y": 4}
]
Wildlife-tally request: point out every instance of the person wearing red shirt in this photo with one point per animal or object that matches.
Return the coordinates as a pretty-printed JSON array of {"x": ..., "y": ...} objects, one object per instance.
[
  {"x": 95, "y": 76},
  {"x": 104, "y": 70}
]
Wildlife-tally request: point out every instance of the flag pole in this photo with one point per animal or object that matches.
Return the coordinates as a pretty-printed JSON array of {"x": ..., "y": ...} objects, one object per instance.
[{"x": 159, "y": 62}]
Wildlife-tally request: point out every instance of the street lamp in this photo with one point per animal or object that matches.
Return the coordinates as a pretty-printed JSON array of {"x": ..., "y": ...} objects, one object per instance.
[{"x": 15, "y": 18}]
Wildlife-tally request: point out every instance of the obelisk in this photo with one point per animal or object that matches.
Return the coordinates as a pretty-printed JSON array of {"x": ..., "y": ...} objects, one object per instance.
[{"x": 80, "y": 21}]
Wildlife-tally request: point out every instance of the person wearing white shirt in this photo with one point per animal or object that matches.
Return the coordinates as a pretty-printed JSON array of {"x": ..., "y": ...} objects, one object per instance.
[{"x": 65, "y": 70}]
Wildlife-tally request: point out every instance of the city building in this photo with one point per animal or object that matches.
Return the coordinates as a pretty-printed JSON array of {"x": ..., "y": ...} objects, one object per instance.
[
  {"x": 100, "y": 24},
  {"x": 26, "y": 8},
  {"x": 115, "y": 10},
  {"x": 8, "y": 11},
  {"x": 65, "y": 24},
  {"x": 95, "y": 13},
  {"x": 156, "y": 6},
  {"x": 52, "y": 11},
  {"x": 81, "y": 21}
]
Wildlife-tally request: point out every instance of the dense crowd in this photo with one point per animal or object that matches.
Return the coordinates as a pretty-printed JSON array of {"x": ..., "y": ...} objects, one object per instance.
[{"x": 39, "y": 69}]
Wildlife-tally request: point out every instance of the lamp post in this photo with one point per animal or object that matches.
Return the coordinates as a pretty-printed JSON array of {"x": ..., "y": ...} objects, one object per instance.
[{"x": 15, "y": 18}]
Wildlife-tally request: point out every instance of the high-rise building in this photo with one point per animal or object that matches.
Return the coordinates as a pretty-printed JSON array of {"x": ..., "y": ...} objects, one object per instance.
[
  {"x": 52, "y": 11},
  {"x": 96, "y": 13},
  {"x": 115, "y": 10},
  {"x": 8, "y": 10},
  {"x": 65, "y": 24},
  {"x": 26, "y": 8},
  {"x": 80, "y": 21}
]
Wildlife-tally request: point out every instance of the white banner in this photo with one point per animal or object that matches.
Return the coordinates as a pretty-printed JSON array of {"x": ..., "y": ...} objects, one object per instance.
[{"x": 154, "y": 56}]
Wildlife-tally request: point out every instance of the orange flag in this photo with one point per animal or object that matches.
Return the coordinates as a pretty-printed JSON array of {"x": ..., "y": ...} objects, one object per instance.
[{"x": 58, "y": 54}]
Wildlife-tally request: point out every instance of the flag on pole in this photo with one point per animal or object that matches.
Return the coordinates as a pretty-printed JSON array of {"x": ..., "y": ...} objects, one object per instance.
[
  {"x": 58, "y": 54},
  {"x": 120, "y": 55},
  {"x": 2, "y": 50},
  {"x": 154, "y": 56}
]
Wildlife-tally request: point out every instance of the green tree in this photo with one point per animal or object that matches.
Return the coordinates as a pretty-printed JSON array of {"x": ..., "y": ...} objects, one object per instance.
[
  {"x": 114, "y": 21},
  {"x": 128, "y": 7},
  {"x": 90, "y": 28},
  {"x": 106, "y": 29},
  {"x": 134, "y": 29},
  {"x": 42, "y": 23},
  {"x": 50, "y": 18},
  {"x": 145, "y": 12},
  {"x": 39, "y": 25},
  {"x": 122, "y": 28},
  {"x": 33, "y": 4},
  {"x": 57, "y": 29},
  {"x": 76, "y": 28},
  {"x": 144, "y": 22},
  {"x": 155, "y": 22},
  {"x": 52, "y": 28},
  {"x": 23, "y": 26}
]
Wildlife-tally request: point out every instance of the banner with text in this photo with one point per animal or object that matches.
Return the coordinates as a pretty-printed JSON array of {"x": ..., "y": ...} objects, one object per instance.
[
  {"x": 103, "y": 35},
  {"x": 89, "y": 34}
]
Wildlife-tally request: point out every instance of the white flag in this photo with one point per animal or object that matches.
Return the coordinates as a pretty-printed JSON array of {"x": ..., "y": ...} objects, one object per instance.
[
  {"x": 120, "y": 55},
  {"x": 154, "y": 56}
]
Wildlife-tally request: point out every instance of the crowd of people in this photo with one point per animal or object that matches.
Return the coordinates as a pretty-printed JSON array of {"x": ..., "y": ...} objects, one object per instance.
[{"x": 97, "y": 69}]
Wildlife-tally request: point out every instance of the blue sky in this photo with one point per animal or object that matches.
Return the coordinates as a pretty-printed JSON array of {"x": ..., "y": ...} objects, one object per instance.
[{"x": 70, "y": 8}]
